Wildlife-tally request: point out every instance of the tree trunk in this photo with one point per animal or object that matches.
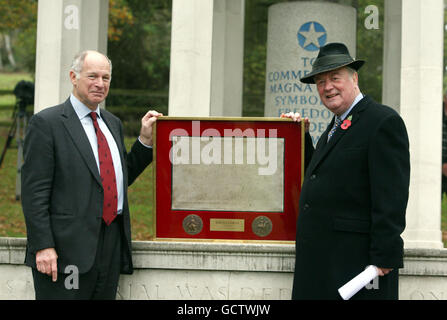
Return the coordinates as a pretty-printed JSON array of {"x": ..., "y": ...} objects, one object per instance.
[{"x": 9, "y": 50}]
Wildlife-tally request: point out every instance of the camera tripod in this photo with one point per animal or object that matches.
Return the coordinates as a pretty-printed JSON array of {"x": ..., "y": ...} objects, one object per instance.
[
  {"x": 17, "y": 130},
  {"x": 24, "y": 92}
]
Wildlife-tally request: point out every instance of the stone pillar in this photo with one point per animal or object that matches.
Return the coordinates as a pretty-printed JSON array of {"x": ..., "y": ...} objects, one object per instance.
[
  {"x": 417, "y": 78},
  {"x": 64, "y": 28},
  {"x": 296, "y": 31},
  {"x": 392, "y": 54},
  {"x": 206, "y": 58}
]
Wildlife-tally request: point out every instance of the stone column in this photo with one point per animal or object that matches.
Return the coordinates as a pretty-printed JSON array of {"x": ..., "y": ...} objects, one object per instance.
[
  {"x": 414, "y": 82},
  {"x": 392, "y": 54},
  {"x": 64, "y": 28},
  {"x": 206, "y": 58}
]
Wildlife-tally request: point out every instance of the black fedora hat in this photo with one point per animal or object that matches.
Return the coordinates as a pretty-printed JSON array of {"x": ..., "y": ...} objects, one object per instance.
[{"x": 332, "y": 56}]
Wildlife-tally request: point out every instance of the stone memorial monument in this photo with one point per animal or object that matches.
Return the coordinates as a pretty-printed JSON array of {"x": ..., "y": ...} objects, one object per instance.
[
  {"x": 296, "y": 31},
  {"x": 238, "y": 270}
]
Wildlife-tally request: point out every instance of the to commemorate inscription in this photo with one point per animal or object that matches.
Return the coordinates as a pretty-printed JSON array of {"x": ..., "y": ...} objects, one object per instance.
[
  {"x": 192, "y": 224},
  {"x": 261, "y": 226}
]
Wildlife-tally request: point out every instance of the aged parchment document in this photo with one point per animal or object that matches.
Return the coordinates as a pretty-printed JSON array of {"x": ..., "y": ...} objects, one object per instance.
[{"x": 228, "y": 174}]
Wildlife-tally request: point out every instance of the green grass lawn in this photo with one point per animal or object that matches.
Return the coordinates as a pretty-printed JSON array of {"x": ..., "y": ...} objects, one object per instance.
[{"x": 9, "y": 80}]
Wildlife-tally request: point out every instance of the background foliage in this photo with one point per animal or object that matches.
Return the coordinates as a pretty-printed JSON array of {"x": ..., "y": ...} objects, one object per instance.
[
  {"x": 139, "y": 46},
  {"x": 369, "y": 48}
]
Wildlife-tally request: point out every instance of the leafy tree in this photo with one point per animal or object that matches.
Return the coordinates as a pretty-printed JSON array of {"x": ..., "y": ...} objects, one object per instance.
[
  {"x": 18, "y": 21},
  {"x": 370, "y": 48},
  {"x": 141, "y": 55},
  {"x": 17, "y": 14},
  {"x": 17, "y": 18},
  {"x": 255, "y": 54},
  {"x": 445, "y": 48},
  {"x": 139, "y": 44},
  {"x": 120, "y": 16}
]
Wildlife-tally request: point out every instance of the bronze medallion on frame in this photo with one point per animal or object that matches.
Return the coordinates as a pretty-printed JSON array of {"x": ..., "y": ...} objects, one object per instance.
[
  {"x": 192, "y": 224},
  {"x": 262, "y": 226}
]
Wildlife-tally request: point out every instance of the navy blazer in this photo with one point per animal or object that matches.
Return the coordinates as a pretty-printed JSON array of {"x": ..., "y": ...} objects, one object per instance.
[{"x": 62, "y": 194}]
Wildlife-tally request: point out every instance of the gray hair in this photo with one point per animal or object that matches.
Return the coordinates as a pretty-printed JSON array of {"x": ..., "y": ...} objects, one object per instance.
[
  {"x": 351, "y": 71},
  {"x": 78, "y": 62}
]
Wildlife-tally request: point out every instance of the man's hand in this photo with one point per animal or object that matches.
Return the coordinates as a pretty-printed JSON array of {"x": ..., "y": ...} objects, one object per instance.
[
  {"x": 46, "y": 262},
  {"x": 297, "y": 118},
  {"x": 384, "y": 271},
  {"x": 146, "y": 126}
]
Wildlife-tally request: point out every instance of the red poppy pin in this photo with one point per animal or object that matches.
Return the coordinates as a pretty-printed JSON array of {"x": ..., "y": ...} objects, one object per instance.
[{"x": 346, "y": 123}]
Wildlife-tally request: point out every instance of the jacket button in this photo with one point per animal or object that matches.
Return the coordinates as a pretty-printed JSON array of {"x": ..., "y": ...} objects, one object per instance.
[
  {"x": 306, "y": 206},
  {"x": 313, "y": 177}
]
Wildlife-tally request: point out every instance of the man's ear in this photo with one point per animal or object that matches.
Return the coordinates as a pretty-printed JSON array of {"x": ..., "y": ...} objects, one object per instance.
[
  {"x": 73, "y": 77},
  {"x": 355, "y": 78}
]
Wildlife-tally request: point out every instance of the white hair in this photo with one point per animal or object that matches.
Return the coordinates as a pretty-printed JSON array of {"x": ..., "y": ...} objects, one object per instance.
[{"x": 78, "y": 62}]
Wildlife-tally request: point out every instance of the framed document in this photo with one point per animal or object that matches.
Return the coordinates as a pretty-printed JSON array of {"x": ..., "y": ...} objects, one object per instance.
[{"x": 227, "y": 178}]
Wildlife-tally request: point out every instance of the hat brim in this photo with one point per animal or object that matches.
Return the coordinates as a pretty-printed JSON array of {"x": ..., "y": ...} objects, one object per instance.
[{"x": 356, "y": 65}]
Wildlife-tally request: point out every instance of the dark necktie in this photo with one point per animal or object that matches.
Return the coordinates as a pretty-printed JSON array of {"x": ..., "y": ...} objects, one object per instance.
[
  {"x": 336, "y": 124},
  {"x": 107, "y": 172}
]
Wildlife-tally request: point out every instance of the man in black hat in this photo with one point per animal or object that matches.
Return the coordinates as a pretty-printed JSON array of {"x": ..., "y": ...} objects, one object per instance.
[{"x": 355, "y": 190}]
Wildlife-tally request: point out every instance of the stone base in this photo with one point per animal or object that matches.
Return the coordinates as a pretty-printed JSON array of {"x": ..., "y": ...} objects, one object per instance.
[{"x": 220, "y": 271}]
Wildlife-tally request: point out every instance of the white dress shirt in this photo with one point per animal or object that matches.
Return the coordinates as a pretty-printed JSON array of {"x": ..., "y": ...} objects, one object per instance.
[
  {"x": 356, "y": 100},
  {"x": 83, "y": 113}
]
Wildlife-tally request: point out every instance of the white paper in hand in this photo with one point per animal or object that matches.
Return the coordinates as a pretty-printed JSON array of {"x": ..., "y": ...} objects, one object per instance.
[{"x": 357, "y": 283}]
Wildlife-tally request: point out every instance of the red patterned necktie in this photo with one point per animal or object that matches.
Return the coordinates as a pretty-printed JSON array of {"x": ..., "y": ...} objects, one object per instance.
[{"x": 107, "y": 172}]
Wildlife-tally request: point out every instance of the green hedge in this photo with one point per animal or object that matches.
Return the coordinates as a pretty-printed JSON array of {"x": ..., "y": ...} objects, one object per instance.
[
  {"x": 131, "y": 105},
  {"x": 132, "y": 98}
]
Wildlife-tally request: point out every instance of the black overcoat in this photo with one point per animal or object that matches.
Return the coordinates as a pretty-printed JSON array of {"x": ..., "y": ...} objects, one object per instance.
[{"x": 352, "y": 205}]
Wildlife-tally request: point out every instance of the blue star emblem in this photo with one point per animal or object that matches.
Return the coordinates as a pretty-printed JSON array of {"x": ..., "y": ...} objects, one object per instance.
[{"x": 312, "y": 36}]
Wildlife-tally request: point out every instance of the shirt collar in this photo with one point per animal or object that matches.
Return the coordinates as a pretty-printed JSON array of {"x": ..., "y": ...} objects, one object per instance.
[
  {"x": 81, "y": 109},
  {"x": 356, "y": 100}
]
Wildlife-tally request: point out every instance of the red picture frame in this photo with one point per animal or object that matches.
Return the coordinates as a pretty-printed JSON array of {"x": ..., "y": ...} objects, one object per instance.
[{"x": 179, "y": 215}]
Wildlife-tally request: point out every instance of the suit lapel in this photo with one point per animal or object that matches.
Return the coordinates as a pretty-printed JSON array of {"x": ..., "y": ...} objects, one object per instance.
[
  {"x": 324, "y": 147},
  {"x": 114, "y": 128},
  {"x": 80, "y": 140},
  {"x": 318, "y": 153}
]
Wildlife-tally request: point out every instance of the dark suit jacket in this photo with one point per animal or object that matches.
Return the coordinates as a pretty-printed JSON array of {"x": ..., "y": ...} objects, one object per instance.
[
  {"x": 62, "y": 194},
  {"x": 352, "y": 205}
]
